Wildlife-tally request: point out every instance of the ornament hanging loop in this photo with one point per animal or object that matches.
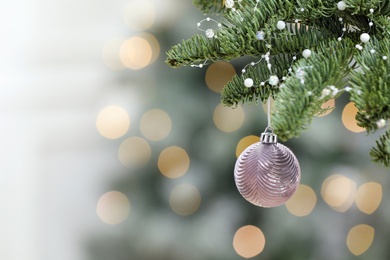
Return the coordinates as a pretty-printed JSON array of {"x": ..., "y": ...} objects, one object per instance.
[{"x": 268, "y": 137}]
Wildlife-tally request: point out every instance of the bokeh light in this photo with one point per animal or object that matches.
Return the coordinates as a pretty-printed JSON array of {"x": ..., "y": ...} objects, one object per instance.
[
  {"x": 113, "y": 207},
  {"x": 329, "y": 105},
  {"x": 338, "y": 192},
  {"x": 112, "y": 122},
  {"x": 302, "y": 202},
  {"x": 218, "y": 74},
  {"x": 360, "y": 238},
  {"x": 110, "y": 53},
  {"x": 139, "y": 15},
  {"x": 134, "y": 152},
  {"x": 184, "y": 199},
  {"x": 245, "y": 143},
  {"x": 228, "y": 119},
  {"x": 155, "y": 124},
  {"x": 249, "y": 241},
  {"x": 173, "y": 162},
  {"x": 136, "y": 53},
  {"x": 154, "y": 44},
  {"x": 348, "y": 118},
  {"x": 369, "y": 197}
]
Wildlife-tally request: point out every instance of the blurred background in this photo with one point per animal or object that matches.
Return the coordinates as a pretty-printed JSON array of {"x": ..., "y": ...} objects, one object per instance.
[{"x": 109, "y": 154}]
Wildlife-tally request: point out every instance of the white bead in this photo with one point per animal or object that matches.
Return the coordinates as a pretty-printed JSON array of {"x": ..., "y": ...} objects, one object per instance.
[
  {"x": 372, "y": 51},
  {"x": 348, "y": 89},
  {"x": 273, "y": 80},
  {"x": 325, "y": 92},
  {"x": 341, "y": 5},
  {"x": 344, "y": 29},
  {"x": 200, "y": 66},
  {"x": 243, "y": 70},
  {"x": 284, "y": 78},
  {"x": 295, "y": 57},
  {"x": 309, "y": 93},
  {"x": 248, "y": 82},
  {"x": 339, "y": 39},
  {"x": 371, "y": 10},
  {"x": 252, "y": 63},
  {"x": 364, "y": 37},
  {"x": 302, "y": 9},
  {"x": 281, "y": 25},
  {"x": 384, "y": 57},
  {"x": 209, "y": 33},
  {"x": 370, "y": 23},
  {"x": 229, "y": 3},
  {"x": 381, "y": 123},
  {"x": 262, "y": 83},
  {"x": 219, "y": 25},
  {"x": 296, "y": 21},
  {"x": 208, "y": 19},
  {"x": 340, "y": 19},
  {"x": 260, "y": 35},
  {"x": 306, "y": 53},
  {"x": 198, "y": 24}
]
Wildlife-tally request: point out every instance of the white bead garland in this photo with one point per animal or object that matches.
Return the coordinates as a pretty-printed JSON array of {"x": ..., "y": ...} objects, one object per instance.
[
  {"x": 273, "y": 80},
  {"x": 381, "y": 123},
  {"x": 281, "y": 25},
  {"x": 306, "y": 53},
  {"x": 364, "y": 37},
  {"x": 229, "y": 3},
  {"x": 341, "y": 5},
  {"x": 248, "y": 82}
]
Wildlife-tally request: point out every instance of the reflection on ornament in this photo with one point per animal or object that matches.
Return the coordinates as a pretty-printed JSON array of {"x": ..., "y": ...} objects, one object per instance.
[{"x": 267, "y": 173}]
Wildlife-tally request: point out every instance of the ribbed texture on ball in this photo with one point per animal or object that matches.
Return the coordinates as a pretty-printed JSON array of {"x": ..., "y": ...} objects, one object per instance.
[{"x": 267, "y": 175}]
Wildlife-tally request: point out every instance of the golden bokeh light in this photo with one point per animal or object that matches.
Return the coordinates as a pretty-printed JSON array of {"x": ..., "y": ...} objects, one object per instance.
[
  {"x": 369, "y": 197},
  {"x": 110, "y": 54},
  {"x": 113, "y": 207},
  {"x": 184, "y": 199},
  {"x": 348, "y": 118},
  {"x": 154, "y": 44},
  {"x": 136, "y": 53},
  {"x": 249, "y": 241},
  {"x": 134, "y": 152},
  {"x": 173, "y": 162},
  {"x": 330, "y": 105},
  {"x": 338, "y": 192},
  {"x": 302, "y": 202},
  {"x": 139, "y": 15},
  {"x": 245, "y": 142},
  {"x": 155, "y": 124},
  {"x": 112, "y": 122},
  {"x": 218, "y": 74},
  {"x": 228, "y": 119},
  {"x": 360, "y": 238}
]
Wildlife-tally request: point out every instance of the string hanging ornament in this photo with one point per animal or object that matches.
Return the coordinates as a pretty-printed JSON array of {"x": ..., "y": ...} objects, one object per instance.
[{"x": 267, "y": 173}]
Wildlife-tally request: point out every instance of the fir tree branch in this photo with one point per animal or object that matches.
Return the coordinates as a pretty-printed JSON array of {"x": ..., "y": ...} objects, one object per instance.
[
  {"x": 300, "y": 98},
  {"x": 371, "y": 84},
  {"x": 235, "y": 92},
  {"x": 210, "y": 6},
  {"x": 381, "y": 153}
]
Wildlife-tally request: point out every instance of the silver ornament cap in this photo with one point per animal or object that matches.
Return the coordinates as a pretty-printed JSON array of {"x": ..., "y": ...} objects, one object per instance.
[{"x": 267, "y": 173}]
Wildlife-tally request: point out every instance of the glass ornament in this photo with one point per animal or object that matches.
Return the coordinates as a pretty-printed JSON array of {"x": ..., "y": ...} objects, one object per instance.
[{"x": 267, "y": 173}]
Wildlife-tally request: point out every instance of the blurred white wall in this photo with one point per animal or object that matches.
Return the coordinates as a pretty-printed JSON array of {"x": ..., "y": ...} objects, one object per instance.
[{"x": 53, "y": 82}]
